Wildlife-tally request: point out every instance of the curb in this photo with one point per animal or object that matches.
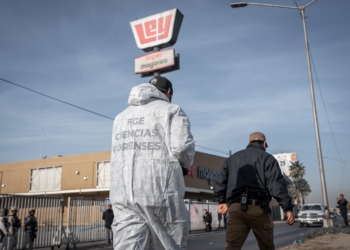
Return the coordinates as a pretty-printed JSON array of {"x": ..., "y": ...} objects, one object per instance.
[
  {"x": 200, "y": 232},
  {"x": 279, "y": 222},
  {"x": 217, "y": 230}
]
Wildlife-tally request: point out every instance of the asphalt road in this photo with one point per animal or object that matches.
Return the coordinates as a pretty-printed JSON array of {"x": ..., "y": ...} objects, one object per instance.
[{"x": 284, "y": 235}]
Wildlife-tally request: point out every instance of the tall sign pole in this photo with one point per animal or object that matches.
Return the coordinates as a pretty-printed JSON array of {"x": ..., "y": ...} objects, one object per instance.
[{"x": 154, "y": 33}]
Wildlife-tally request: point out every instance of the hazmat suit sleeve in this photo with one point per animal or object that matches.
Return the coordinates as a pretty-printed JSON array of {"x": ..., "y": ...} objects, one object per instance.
[{"x": 181, "y": 139}]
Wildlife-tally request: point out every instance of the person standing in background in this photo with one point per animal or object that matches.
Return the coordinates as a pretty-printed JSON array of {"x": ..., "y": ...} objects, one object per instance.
[
  {"x": 207, "y": 220},
  {"x": 30, "y": 229},
  {"x": 108, "y": 217},
  {"x": 14, "y": 225},
  {"x": 342, "y": 202},
  {"x": 219, "y": 219}
]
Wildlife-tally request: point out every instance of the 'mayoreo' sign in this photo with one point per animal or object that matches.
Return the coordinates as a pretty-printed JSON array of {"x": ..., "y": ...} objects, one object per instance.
[
  {"x": 205, "y": 173},
  {"x": 153, "y": 33}
]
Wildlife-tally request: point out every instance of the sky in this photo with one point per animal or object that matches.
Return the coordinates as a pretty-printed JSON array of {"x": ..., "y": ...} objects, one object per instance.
[{"x": 241, "y": 70}]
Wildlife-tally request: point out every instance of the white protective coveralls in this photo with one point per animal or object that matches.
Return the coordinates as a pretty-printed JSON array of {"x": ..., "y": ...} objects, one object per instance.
[{"x": 151, "y": 141}]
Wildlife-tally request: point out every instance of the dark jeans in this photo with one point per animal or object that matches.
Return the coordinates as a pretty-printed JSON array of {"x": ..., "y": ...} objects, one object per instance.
[
  {"x": 345, "y": 216},
  {"x": 208, "y": 227},
  {"x": 109, "y": 236}
]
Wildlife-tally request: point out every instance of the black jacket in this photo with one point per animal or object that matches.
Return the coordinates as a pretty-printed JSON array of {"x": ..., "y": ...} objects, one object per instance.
[
  {"x": 342, "y": 204},
  {"x": 255, "y": 168},
  {"x": 108, "y": 218},
  {"x": 207, "y": 217}
]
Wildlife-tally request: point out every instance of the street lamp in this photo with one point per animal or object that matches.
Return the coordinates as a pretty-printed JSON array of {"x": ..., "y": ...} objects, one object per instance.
[
  {"x": 344, "y": 168},
  {"x": 302, "y": 8}
]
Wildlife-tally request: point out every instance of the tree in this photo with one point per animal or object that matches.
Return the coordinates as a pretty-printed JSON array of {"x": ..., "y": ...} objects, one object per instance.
[
  {"x": 300, "y": 187},
  {"x": 296, "y": 170}
]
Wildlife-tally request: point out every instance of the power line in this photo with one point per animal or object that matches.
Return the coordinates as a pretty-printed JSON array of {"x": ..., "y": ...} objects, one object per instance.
[
  {"x": 213, "y": 150},
  {"x": 87, "y": 110},
  {"x": 324, "y": 105},
  {"x": 56, "y": 99}
]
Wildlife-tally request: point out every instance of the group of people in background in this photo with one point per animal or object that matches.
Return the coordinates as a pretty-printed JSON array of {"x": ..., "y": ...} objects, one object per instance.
[{"x": 10, "y": 225}]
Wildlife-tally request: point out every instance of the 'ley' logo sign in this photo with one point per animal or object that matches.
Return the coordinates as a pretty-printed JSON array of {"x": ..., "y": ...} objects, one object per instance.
[
  {"x": 153, "y": 30},
  {"x": 159, "y": 30}
]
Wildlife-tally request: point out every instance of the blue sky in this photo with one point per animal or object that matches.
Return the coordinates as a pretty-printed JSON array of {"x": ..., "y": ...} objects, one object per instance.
[{"x": 242, "y": 70}]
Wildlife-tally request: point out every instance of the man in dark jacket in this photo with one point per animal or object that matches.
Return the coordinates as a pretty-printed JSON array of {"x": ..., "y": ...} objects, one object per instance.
[
  {"x": 108, "y": 217},
  {"x": 207, "y": 220},
  {"x": 342, "y": 202},
  {"x": 244, "y": 186}
]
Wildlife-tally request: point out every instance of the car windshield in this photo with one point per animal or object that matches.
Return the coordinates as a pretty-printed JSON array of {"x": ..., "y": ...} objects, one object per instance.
[{"x": 311, "y": 207}]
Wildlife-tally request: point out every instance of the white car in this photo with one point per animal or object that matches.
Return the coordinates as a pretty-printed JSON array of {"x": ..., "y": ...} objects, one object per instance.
[{"x": 311, "y": 214}]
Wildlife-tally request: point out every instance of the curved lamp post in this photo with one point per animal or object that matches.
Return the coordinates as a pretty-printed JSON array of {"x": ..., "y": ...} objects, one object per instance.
[{"x": 302, "y": 8}]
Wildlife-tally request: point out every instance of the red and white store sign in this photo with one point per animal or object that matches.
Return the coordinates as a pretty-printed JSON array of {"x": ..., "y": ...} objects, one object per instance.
[
  {"x": 155, "y": 61},
  {"x": 159, "y": 30}
]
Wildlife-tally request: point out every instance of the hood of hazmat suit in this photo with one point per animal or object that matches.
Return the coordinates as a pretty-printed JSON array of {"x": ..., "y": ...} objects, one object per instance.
[{"x": 151, "y": 141}]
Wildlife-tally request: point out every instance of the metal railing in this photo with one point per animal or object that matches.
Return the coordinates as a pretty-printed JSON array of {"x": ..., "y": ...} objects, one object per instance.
[{"x": 84, "y": 220}]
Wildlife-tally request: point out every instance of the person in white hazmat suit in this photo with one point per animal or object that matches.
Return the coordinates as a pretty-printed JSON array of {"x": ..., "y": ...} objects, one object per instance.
[{"x": 152, "y": 147}]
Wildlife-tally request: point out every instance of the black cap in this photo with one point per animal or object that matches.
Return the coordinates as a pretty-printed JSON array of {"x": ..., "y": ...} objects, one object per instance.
[{"x": 162, "y": 83}]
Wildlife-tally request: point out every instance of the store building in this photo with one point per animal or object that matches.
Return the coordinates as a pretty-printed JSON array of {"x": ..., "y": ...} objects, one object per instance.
[{"x": 88, "y": 175}]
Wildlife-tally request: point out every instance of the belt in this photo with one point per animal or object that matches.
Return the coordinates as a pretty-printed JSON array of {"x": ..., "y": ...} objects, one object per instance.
[{"x": 254, "y": 202}]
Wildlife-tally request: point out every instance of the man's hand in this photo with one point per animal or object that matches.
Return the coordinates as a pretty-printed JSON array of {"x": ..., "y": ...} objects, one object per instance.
[
  {"x": 290, "y": 218},
  {"x": 222, "y": 209}
]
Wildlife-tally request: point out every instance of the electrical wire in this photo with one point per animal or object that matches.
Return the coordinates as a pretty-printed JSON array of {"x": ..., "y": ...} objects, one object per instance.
[
  {"x": 56, "y": 99},
  {"x": 324, "y": 105},
  {"x": 296, "y": 3},
  {"x": 87, "y": 110},
  {"x": 213, "y": 150}
]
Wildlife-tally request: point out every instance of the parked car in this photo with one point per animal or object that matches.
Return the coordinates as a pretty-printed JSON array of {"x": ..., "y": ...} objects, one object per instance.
[
  {"x": 311, "y": 214},
  {"x": 332, "y": 215}
]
